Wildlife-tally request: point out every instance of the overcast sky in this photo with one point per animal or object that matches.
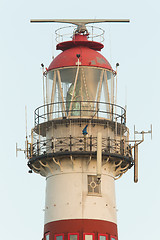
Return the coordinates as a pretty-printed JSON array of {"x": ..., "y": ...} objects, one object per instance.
[{"x": 23, "y": 47}]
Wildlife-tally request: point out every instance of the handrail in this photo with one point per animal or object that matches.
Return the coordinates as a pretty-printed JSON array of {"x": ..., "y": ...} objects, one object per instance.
[
  {"x": 80, "y": 109},
  {"x": 77, "y": 144},
  {"x": 94, "y": 33}
]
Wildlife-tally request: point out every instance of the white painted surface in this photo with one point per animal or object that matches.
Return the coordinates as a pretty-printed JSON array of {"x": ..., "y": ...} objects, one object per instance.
[{"x": 67, "y": 193}]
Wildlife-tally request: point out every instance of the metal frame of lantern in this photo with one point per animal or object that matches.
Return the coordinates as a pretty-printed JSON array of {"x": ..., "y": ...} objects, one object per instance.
[{"x": 62, "y": 100}]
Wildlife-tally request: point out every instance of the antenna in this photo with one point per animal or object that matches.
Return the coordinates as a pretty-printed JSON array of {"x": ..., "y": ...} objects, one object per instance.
[
  {"x": 137, "y": 142},
  {"x": 43, "y": 72},
  {"x": 126, "y": 97},
  {"x": 19, "y": 150},
  {"x": 80, "y": 23},
  {"x": 26, "y": 119},
  {"x": 117, "y": 65},
  {"x": 143, "y": 132}
]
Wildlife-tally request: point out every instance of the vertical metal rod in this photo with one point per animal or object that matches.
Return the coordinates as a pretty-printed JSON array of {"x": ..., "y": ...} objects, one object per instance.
[
  {"x": 100, "y": 87},
  {"x": 116, "y": 133},
  {"x": 26, "y": 120},
  {"x": 37, "y": 147},
  {"x": 116, "y": 86},
  {"x": 90, "y": 143},
  {"x": 60, "y": 88},
  {"x": 75, "y": 82},
  {"x": 52, "y": 94},
  {"x": 112, "y": 112},
  {"x": 47, "y": 97},
  {"x": 43, "y": 89},
  {"x": 31, "y": 142},
  {"x": 39, "y": 133},
  {"x": 54, "y": 144},
  {"x": 70, "y": 143},
  {"x": 135, "y": 163},
  {"x": 108, "y": 97},
  {"x": 99, "y": 155},
  {"x": 84, "y": 142},
  {"x": 109, "y": 145}
]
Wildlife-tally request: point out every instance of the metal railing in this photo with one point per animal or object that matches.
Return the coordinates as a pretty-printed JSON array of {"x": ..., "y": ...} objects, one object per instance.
[
  {"x": 79, "y": 144},
  {"x": 95, "y": 33},
  {"x": 79, "y": 109}
]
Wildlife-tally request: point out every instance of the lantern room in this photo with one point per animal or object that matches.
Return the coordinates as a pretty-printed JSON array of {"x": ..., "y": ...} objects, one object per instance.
[{"x": 80, "y": 81}]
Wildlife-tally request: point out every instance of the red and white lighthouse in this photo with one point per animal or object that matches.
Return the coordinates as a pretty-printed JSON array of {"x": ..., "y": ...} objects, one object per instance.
[{"x": 80, "y": 141}]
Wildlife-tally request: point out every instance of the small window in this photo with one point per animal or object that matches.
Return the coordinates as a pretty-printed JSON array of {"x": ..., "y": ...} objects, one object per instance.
[
  {"x": 59, "y": 237},
  {"x": 47, "y": 236},
  {"x": 73, "y": 236},
  {"x": 93, "y": 186},
  {"x": 102, "y": 237},
  {"x": 88, "y": 236},
  {"x": 113, "y": 238}
]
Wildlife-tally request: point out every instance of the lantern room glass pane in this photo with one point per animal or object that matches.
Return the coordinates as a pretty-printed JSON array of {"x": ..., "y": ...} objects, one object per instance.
[
  {"x": 102, "y": 237},
  {"x": 47, "y": 237},
  {"x": 88, "y": 237},
  {"x": 73, "y": 237},
  {"x": 74, "y": 91},
  {"x": 59, "y": 237}
]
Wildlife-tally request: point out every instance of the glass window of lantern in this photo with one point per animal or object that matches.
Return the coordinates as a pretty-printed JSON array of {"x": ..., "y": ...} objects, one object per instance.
[
  {"x": 113, "y": 238},
  {"x": 73, "y": 236},
  {"x": 47, "y": 236},
  {"x": 94, "y": 188},
  {"x": 88, "y": 236},
  {"x": 102, "y": 237},
  {"x": 59, "y": 237},
  {"x": 74, "y": 90}
]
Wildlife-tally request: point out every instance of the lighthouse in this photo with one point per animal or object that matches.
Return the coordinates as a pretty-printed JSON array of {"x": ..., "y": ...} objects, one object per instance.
[{"x": 80, "y": 140}]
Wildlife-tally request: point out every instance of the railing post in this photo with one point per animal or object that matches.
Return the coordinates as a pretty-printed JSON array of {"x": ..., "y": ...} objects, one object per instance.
[
  {"x": 35, "y": 118},
  {"x": 70, "y": 143},
  {"x": 122, "y": 147},
  {"x": 37, "y": 147},
  {"x": 38, "y": 116},
  {"x": 90, "y": 143},
  {"x": 52, "y": 145},
  {"x": 97, "y": 108},
  {"x": 84, "y": 142},
  {"x": 108, "y": 145},
  {"x": 112, "y": 112}
]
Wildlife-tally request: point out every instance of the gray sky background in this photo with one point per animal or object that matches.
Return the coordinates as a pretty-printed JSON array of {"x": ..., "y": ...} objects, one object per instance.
[{"x": 23, "y": 47}]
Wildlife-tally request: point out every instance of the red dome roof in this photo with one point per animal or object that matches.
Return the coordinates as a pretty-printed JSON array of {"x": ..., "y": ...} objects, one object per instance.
[{"x": 87, "y": 50}]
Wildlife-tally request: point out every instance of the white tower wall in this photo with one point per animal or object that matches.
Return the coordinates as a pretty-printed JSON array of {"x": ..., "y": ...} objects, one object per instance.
[{"x": 67, "y": 194}]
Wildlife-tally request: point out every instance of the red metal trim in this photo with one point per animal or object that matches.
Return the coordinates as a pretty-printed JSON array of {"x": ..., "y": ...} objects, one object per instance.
[
  {"x": 90, "y": 44},
  {"x": 84, "y": 234},
  {"x": 46, "y": 234},
  {"x": 69, "y": 234},
  {"x": 88, "y": 57},
  {"x": 79, "y": 40},
  {"x": 106, "y": 235},
  {"x": 61, "y": 234},
  {"x": 81, "y": 226},
  {"x": 113, "y": 237}
]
